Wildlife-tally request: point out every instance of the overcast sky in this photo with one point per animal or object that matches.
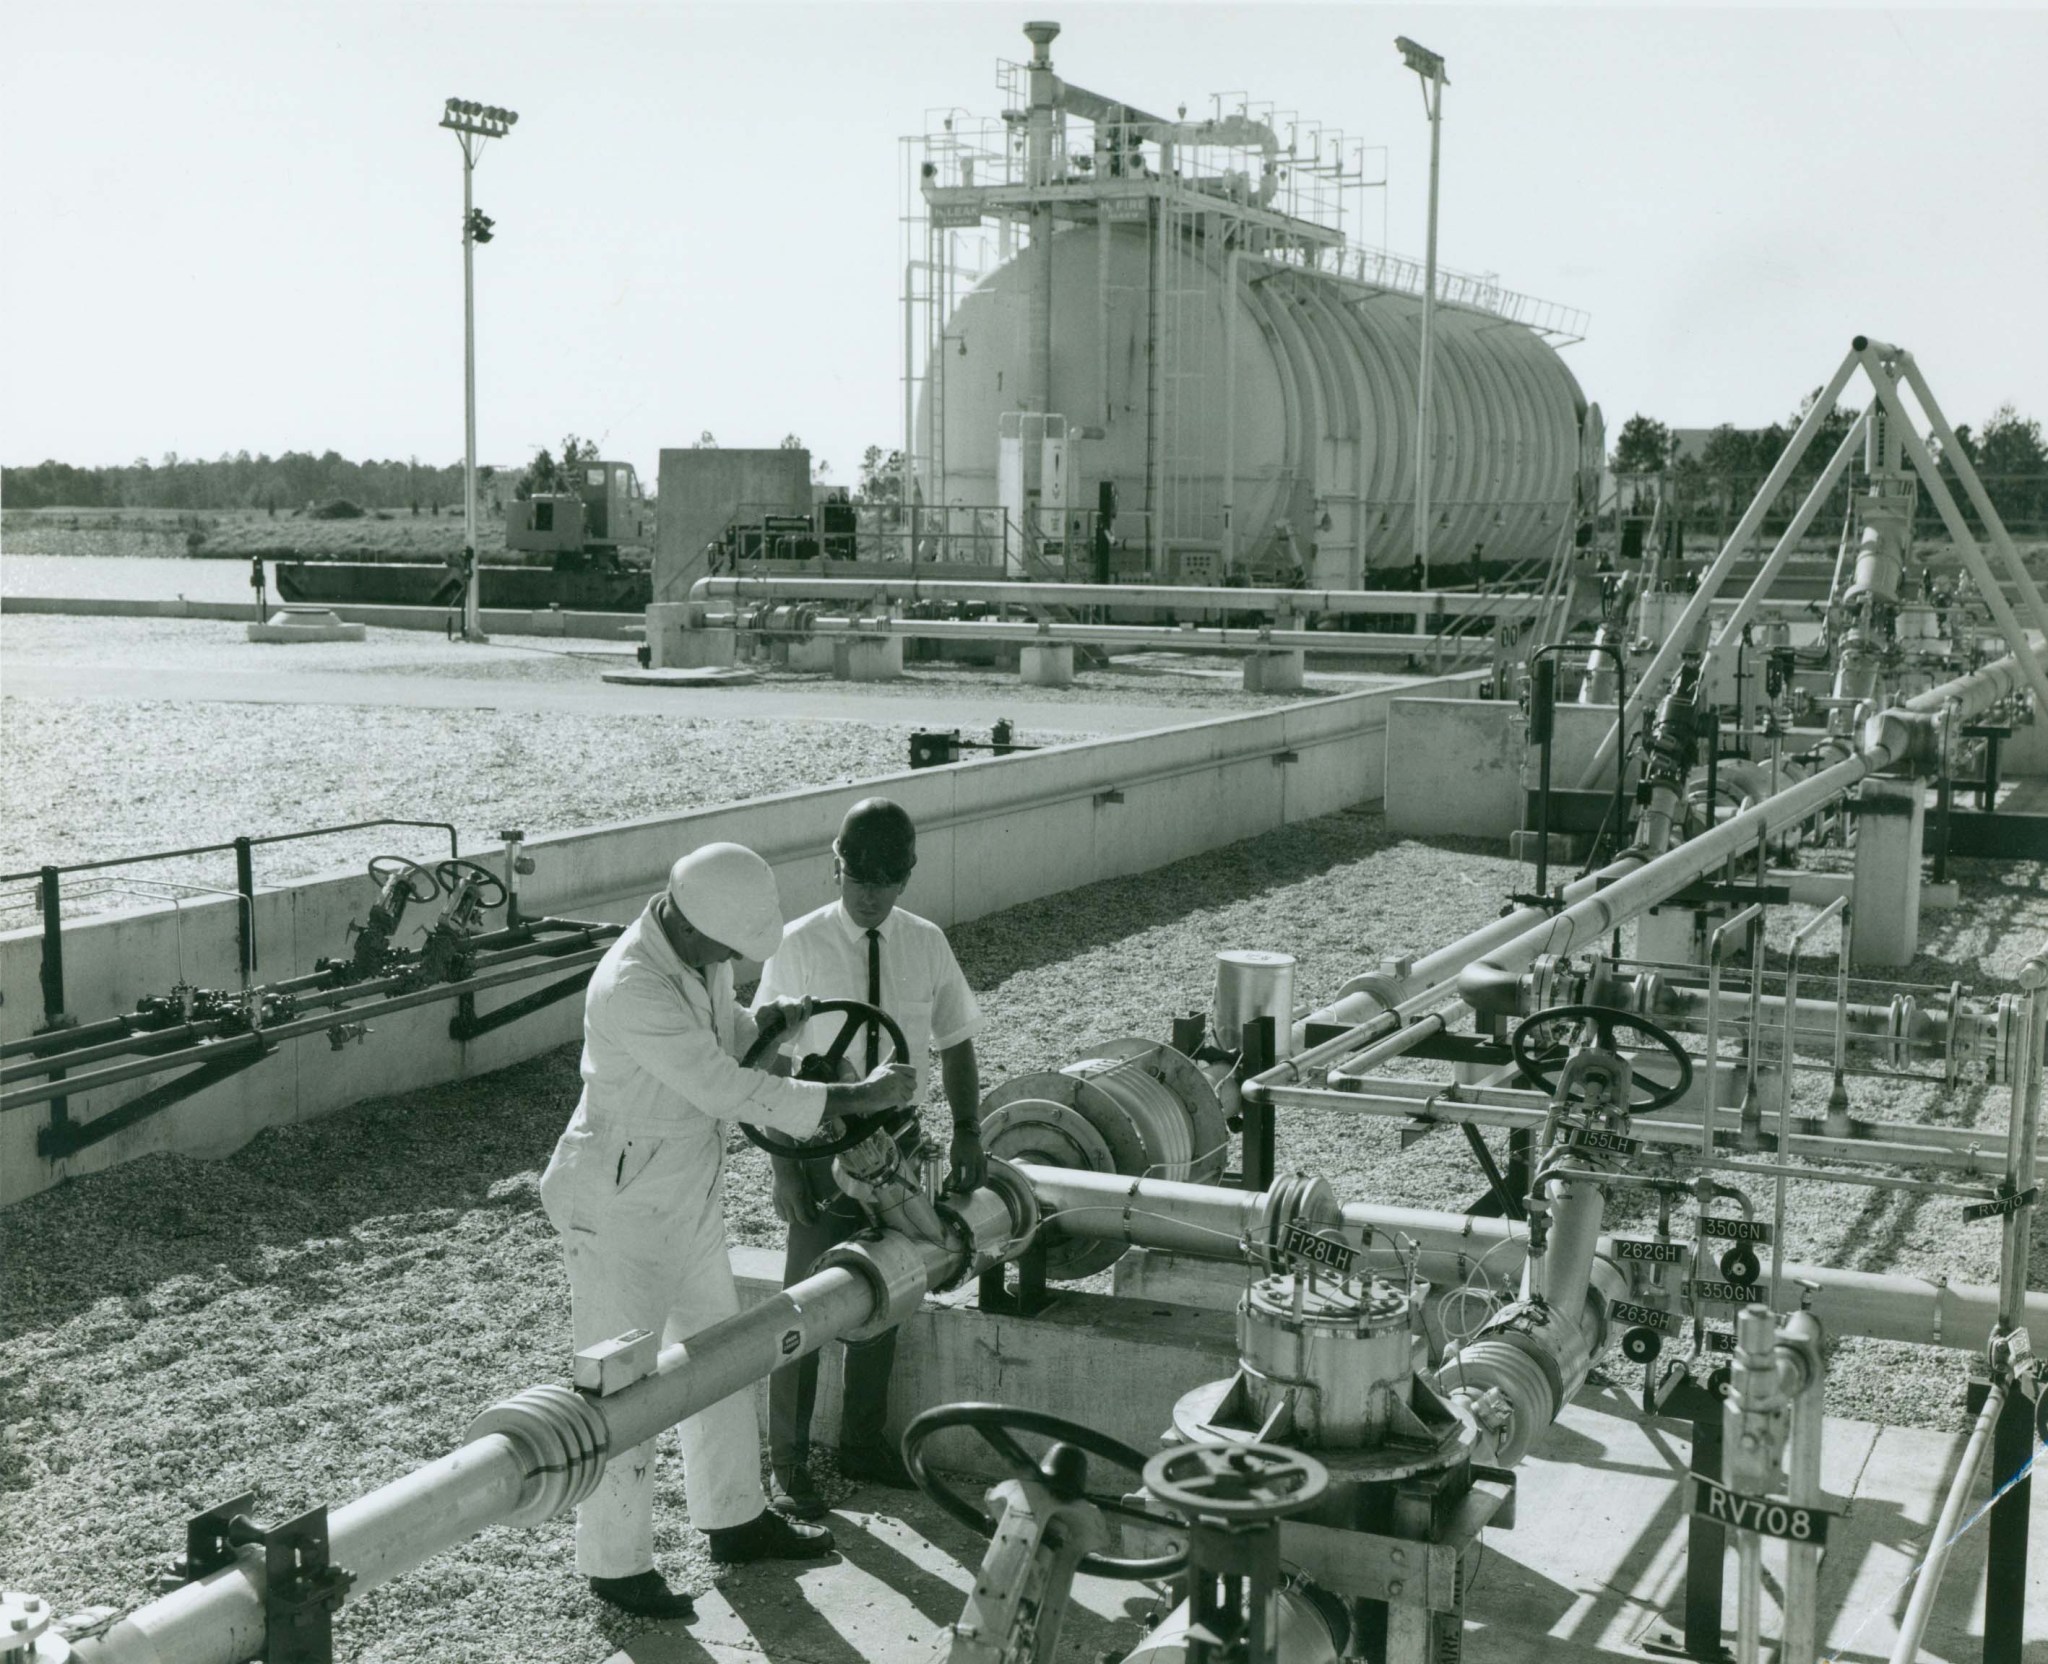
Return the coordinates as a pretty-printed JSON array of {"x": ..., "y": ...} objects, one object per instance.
[{"x": 237, "y": 226}]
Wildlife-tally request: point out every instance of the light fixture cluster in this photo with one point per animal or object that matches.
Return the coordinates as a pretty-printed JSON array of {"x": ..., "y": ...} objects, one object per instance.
[
  {"x": 465, "y": 115},
  {"x": 1429, "y": 65}
]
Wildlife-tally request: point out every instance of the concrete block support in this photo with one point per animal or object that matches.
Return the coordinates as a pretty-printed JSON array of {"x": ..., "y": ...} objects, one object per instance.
[
  {"x": 1276, "y": 672},
  {"x": 816, "y": 653},
  {"x": 1891, "y": 816},
  {"x": 867, "y": 658},
  {"x": 667, "y": 624},
  {"x": 1049, "y": 666}
]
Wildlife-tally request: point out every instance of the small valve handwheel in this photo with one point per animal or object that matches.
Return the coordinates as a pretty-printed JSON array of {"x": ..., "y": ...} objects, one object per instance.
[
  {"x": 1641, "y": 1344},
  {"x": 420, "y": 884},
  {"x": 453, "y": 874},
  {"x": 1740, "y": 1264},
  {"x": 825, "y": 1066},
  {"x": 1236, "y": 1483},
  {"x": 1540, "y": 1048},
  {"x": 996, "y": 1423}
]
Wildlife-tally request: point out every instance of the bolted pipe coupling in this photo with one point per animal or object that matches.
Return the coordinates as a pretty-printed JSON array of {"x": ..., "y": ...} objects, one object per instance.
[
  {"x": 894, "y": 1268},
  {"x": 562, "y": 1439},
  {"x": 1519, "y": 1387},
  {"x": 995, "y": 1223},
  {"x": 1909, "y": 738}
]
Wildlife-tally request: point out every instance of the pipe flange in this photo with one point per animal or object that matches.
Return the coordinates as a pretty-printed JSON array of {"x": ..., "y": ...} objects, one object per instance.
[
  {"x": 563, "y": 1441},
  {"x": 894, "y": 1269},
  {"x": 1020, "y": 1203}
]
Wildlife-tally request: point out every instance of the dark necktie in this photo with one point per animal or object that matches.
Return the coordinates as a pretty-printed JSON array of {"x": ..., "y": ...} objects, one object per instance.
[{"x": 874, "y": 997}]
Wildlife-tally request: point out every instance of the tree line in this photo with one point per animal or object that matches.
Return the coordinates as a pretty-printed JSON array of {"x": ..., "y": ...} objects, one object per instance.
[
  {"x": 1715, "y": 484},
  {"x": 279, "y": 484}
]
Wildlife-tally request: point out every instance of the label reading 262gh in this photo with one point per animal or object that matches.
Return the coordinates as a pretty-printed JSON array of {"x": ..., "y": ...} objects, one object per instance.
[
  {"x": 1759, "y": 1513},
  {"x": 1647, "y": 1317},
  {"x": 1599, "y": 1141},
  {"x": 1657, "y": 1253},
  {"x": 1308, "y": 1248},
  {"x": 1736, "y": 1230}
]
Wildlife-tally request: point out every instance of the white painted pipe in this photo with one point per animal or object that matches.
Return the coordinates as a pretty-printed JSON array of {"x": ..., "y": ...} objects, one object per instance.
[{"x": 1906, "y": 1650}]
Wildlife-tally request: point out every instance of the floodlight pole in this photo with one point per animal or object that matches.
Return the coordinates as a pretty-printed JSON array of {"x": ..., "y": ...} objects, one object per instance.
[
  {"x": 471, "y": 123},
  {"x": 1430, "y": 68}
]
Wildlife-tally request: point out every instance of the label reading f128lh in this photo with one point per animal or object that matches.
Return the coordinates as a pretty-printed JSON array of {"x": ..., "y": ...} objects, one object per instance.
[
  {"x": 1658, "y": 1253},
  {"x": 1733, "y": 1294},
  {"x": 1647, "y": 1317},
  {"x": 2004, "y": 1208},
  {"x": 1308, "y": 1248},
  {"x": 1736, "y": 1230},
  {"x": 1759, "y": 1513},
  {"x": 1601, "y": 1142}
]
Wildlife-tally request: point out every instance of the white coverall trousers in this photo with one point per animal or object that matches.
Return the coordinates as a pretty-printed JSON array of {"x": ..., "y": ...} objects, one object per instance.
[{"x": 643, "y": 1226}]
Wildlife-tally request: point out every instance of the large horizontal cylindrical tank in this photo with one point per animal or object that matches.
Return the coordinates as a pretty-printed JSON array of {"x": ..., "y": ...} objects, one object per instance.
[{"x": 1286, "y": 392}]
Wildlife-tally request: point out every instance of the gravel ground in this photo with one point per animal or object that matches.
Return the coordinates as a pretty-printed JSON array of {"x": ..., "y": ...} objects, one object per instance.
[{"x": 326, "y": 1309}]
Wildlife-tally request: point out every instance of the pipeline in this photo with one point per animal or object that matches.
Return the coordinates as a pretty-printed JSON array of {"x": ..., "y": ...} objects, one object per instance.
[
  {"x": 1928, "y": 1583},
  {"x": 1631, "y": 884}
]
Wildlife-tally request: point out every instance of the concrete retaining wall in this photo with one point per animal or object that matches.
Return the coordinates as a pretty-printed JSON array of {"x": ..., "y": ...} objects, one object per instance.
[
  {"x": 506, "y": 621},
  {"x": 992, "y": 833}
]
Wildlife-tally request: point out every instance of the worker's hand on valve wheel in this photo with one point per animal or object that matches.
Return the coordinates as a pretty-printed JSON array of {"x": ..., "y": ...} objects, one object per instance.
[
  {"x": 782, "y": 1017},
  {"x": 970, "y": 1165},
  {"x": 794, "y": 1202},
  {"x": 889, "y": 1086}
]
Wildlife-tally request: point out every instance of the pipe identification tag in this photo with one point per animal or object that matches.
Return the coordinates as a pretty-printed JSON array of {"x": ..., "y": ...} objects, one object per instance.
[
  {"x": 1733, "y": 1294},
  {"x": 1736, "y": 1230},
  {"x": 1717, "y": 1340},
  {"x": 1306, "y": 1247},
  {"x": 1657, "y": 1253},
  {"x": 1599, "y": 1141},
  {"x": 1786, "y": 1520},
  {"x": 2003, "y": 1208},
  {"x": 1647, "y": 1317}
]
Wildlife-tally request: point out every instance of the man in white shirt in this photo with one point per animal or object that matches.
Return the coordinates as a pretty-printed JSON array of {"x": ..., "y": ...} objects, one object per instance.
[
  {"x": 636, "y": 1187},
  {"x": 864, "y": 947}
]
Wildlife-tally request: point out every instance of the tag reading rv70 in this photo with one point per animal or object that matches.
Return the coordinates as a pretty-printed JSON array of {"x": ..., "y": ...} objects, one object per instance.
[{"x": 1786, "y": 1520}]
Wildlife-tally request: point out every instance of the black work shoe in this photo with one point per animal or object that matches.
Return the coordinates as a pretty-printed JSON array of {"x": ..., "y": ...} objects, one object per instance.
[
  {"x": 644, "y": 1594},
  {"x": 875, "y": 1464},
  {"x": 796, "y": 1497},
  {"x": 768, "y": 1536}
]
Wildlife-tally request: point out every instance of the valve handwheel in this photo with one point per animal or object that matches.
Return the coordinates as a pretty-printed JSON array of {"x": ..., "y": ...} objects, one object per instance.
[
  {"x": 384, "y": 868},
  {"x": 1538, "y": 1050},
  {"x": 997, "y": 1423},
  {"x": 453, "y": 873},
  {"x": 1236, "y": 1483},
  {"x": 824, "y": 1066}
]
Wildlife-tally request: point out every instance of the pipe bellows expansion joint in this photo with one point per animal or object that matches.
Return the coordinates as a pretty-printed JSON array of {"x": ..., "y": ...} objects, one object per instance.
[
  {"x": 562, "y": 1440},
  {"x": 894, "y": 1269}
]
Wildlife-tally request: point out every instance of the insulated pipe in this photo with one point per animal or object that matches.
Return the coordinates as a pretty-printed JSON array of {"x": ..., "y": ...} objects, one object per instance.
[
  {"x": 497, "y": 1477},
  {"x": 1175, "y": 597},
  {"x": 1210, "y": 1222},
  {"x": 1630, "y": 886},
  {"x": 1906, "y": 1650}
]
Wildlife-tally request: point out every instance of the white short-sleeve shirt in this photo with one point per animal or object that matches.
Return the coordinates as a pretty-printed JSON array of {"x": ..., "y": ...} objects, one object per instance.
[{"x": 824, "y": 956}]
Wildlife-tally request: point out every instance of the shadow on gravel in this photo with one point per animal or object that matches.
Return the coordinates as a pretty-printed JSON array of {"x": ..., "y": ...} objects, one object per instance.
[
  {"x": 1036, "y": 934},
  {"x": 413, "y": 1165}
]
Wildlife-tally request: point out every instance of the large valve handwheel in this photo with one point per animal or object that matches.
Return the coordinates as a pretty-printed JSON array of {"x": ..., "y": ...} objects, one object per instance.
[
  {"x": 490, "y": 888},
  {"x": 420, "y": 884},
  {"x": 1541, "y": 1043},
  {"x": 997, "y": 1423},
  {"x": 1235, "y": 1483},
  {"x": 825, "y": 1066}
]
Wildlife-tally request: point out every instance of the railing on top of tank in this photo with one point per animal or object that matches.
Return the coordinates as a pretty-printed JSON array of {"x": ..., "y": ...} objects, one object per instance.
[{"x": 1385, "y": 270}]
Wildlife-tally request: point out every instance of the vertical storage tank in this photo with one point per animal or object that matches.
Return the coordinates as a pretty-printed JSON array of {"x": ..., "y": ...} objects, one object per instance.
[{"x": 1263, "y": 411}]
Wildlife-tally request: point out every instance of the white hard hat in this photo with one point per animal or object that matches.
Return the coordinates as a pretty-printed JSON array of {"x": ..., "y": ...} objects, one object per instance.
[{"x": 728, "y": 892}]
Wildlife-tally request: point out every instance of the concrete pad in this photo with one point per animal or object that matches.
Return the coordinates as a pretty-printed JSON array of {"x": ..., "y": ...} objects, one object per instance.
[
  {"x": 867, "y": 658},
  {"x": 1048, "y": 666},
  {"x": 706, "y": 676},
  {"x": 1275, "y": 672},
  {"x": 289, "y": 624}
]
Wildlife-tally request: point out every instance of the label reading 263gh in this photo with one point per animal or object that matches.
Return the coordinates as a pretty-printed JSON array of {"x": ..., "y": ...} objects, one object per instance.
[
  {"x": 1657, "y": 1253},
  {"x": 1759, "y": 1513},
  {"x": 1736, "y": 1230},
  {"x": 1310, "y": 1249},
  {"x": 1647, "y": 1317},
  {"x": 1602, "y": 1142}
]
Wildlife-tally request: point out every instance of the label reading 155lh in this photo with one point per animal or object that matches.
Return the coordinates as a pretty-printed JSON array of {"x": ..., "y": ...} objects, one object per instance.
[
  {"x": 1602, "y": 1142},
  {"x": 1759, "y": 1513},
  {"x": 1734, "y": 1294},
  {"x": 1658, "y": 1253},
  {"x": 2003, "y": 1208},
  {"x": 1312, "y": 1249},
  {"x": 1648, "y": 1317},
  {"x": 1736, "y": 1230}
]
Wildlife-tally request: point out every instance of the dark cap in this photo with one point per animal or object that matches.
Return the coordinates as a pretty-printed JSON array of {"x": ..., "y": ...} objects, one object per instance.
[{"x": 877, "y": 841}]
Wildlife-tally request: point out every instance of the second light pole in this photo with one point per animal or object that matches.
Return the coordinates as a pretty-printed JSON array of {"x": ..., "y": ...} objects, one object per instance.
[
  {"x": 472, "y": 123},
  {"x": 1430, "y": 67}
]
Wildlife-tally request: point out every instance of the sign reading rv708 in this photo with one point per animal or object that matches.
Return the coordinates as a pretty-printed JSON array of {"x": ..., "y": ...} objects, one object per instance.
[
  {"x": 1307, "y": 1248},
  {"x": 1736, "y": 1230},
  {"x": 2003, "y": 1208},
  {"x": 1759, "y": 1513}
]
